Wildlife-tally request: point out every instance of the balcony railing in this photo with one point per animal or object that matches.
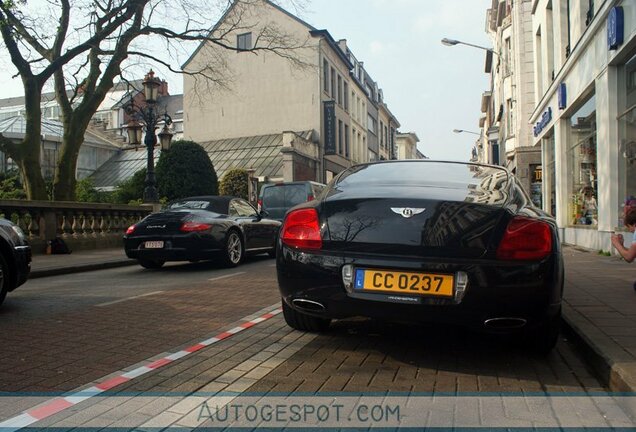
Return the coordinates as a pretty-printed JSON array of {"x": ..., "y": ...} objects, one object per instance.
[{"x": 81, "y": 225}]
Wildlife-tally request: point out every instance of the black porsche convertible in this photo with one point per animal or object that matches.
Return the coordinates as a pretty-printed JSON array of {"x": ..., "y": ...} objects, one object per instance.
[
  {"x": 427, "y": 241},
  {"x": 199, "y": 229}
]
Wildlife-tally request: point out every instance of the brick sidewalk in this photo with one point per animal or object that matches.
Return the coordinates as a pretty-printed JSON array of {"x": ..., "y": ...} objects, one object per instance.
[
  {"x": 600, "y": 306},
  {"x": 51, "y": 265}
]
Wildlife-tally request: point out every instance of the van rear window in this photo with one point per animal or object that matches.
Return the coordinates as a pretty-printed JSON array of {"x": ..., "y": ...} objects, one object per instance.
[{"x": 284, "y": 196}]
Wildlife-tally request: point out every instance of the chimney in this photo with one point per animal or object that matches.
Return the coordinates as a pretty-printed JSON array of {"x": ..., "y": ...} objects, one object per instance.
[{"x": 163, "y": 90}]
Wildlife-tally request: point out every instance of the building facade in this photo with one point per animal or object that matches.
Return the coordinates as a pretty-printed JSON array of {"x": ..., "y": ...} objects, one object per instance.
[
  {"x": 406, "y": 146},
  {"x": 585, "y": 115},
  {"x": 332, "y": 95},
  {"x": 507, "y": 106}
]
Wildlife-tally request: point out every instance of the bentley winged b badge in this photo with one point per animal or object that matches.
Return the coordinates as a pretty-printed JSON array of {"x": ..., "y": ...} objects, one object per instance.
[{"x": 407, "y": 212}]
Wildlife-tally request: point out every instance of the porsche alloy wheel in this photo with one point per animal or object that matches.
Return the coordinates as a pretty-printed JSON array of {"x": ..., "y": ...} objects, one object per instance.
[{"x": 233, "y": 249}]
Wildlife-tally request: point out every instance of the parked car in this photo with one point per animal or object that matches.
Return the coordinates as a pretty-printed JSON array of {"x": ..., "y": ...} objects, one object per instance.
[
  {"x": 423, "y": 241},
  {"x": 277, "y": 198},
  {"x": 15, "y": 258},
  {"x": 201, "y": 228}
]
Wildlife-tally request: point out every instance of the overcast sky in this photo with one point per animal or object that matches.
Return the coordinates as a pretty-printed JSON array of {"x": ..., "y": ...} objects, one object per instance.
[{"x": 430, "y": 88}]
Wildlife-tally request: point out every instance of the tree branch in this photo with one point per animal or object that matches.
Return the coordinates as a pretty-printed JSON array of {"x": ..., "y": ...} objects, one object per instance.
[{"x": 21, "y": 30}]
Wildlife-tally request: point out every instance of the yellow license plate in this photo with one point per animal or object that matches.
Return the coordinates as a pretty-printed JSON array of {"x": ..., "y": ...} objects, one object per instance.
[{"x": 426, "y": 284}]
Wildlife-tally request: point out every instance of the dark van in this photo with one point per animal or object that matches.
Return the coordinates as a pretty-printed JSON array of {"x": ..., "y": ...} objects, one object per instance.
[{"x": 277, "y": 198}]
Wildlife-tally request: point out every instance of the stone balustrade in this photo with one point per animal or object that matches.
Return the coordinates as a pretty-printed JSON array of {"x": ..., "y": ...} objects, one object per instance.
[{"x": 81, "y": 225}]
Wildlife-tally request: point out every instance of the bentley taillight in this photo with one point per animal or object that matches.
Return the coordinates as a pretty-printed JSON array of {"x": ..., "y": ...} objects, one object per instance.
[
  {"x": 194, "y": 227},
  {"x": 301, "y": 229},
  {"x": 130, "y": 230},
  {"x": 525, "y": 239}
]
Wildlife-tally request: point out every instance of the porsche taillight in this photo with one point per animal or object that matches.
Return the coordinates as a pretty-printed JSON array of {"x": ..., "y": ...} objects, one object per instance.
[
  {"x": 301, "y": 229},
  {"x": 130, "y": 230},
  {"x": 194, "y": 227},
  {"x": 525, "y": 239}
]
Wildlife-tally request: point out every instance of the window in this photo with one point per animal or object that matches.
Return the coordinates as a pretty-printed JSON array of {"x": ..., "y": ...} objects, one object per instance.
[
  {"x": 538, "y": 73},
  {"x": 354, "y": 147},
  {"x": 49, "y": 161},
  {"x": 346, "y": 96},
  {"x": 325, "y": 76},
  {"x": 507, "y": 57},
  {"x": 241, "y": 208},
  {"x": 549, "y": 24},
  {"x": 355, "y": 107},
  {"x": 339, "y": 90},
  {"x": 382, "y": 142},
  {"x": 582, "y": 165},
  {"x": 627, "y": 139},
  {"x": 372, "y": 124},
  {"x": 549, "y": 175},
  {"x": 589, "y": 16},
  {"x": 365, "y": 149},
  {"x": 244, "y": 42},
  {"x": 510, "y": 130},
  {"x": 340, "y": 136},
  {"x": 333, "y": 83},
  {"x": 346, "y": 134}
]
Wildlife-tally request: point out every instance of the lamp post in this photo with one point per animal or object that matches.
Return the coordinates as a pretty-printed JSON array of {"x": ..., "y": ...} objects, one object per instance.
[
  {"x": 457, "y": 131},
  {"x": 147, "y": 118},
  {"x": 452, "y": 42}
]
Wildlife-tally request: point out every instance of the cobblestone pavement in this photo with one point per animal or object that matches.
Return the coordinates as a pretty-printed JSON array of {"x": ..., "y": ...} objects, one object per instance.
[{"x": 356, "y": 356}]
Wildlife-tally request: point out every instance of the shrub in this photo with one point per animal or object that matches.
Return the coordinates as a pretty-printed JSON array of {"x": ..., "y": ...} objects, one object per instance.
[
  {"x": 11, "y": 185},
  {"x": 185, "y": 170},
  {"x": 235, "y": 182},
  {"x": 131, "y": 189}
]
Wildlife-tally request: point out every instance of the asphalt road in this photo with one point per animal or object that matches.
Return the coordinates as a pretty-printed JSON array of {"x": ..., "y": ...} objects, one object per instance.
[{"x": 63, "y": 332}]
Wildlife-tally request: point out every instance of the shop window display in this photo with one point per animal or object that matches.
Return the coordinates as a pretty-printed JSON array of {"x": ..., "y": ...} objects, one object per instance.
[
  {"x": 582, "y": 158},
  {"x": 627, "y": 142},
  {"x": 549, "y": 175}
]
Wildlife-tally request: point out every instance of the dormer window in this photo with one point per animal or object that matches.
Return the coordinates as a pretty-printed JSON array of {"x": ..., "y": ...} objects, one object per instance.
[{"x": 244, "y": 42}]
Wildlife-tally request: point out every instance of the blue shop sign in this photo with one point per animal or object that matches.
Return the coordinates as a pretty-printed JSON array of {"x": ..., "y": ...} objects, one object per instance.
[
  {"x": 615, "y": 27},
  {"x": 563, "y": 96},
  {"x": 546, "y": 118}
]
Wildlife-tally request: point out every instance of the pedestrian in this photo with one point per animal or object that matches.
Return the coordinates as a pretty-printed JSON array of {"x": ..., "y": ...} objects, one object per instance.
[{"x": 617, "y": 239}]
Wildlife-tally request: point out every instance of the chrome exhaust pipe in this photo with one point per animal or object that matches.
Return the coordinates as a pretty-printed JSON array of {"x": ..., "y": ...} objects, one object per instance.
[
  {"x": 505, "y": 323},
  {"x": 308, "y": 305}
]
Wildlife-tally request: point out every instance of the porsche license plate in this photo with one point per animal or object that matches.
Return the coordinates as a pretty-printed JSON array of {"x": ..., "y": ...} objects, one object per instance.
[
  {"x": 153, "y": 245},
  {"x": 425, "y": 284}
]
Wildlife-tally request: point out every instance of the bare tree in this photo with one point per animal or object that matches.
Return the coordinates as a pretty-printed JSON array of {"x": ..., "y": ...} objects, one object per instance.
[{"x": 96, "y": 41}]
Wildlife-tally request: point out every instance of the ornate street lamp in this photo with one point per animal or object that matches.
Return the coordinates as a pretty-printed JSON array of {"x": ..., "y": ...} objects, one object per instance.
[{"x": 146, "y": 118}]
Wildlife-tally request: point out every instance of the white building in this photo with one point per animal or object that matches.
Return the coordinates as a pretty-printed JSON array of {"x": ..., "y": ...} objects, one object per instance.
[
  {"x": 508, "y": 105},
  {"x": 407, "y": 146},
  {"x": 585, "y": 116}
]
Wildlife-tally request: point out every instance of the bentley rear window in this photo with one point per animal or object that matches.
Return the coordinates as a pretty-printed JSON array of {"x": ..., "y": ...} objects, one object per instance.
[{"x": 430, "y": 174}]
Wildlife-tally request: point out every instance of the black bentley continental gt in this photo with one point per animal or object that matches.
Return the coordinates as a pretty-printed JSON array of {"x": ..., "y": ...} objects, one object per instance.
[
  {"x": 423, "y": 241},
  {"x": 15, "y": 258},
  {"x": 199, "y": 229}
]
